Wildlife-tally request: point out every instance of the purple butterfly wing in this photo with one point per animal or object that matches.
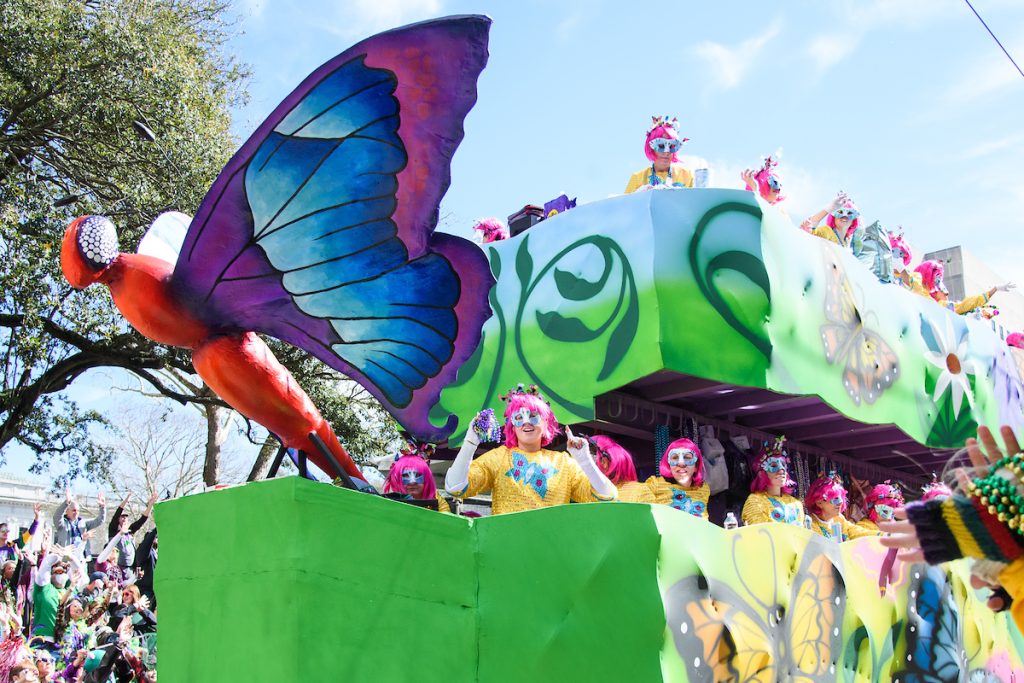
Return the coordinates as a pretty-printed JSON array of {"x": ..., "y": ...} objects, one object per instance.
[{"x": 319, "y": 231}]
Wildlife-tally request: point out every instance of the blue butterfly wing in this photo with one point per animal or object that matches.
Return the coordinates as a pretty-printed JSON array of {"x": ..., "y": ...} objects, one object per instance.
[
  {"x": 319, "y": 230},
  {"x": 934, "y": 647}
]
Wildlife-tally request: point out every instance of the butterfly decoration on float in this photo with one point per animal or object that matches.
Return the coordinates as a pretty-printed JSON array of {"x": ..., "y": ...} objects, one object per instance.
[
  {"x": 870, "y": 366},
  {"x": 320, "y": 232},
  {"x": 722, "y": 635}
]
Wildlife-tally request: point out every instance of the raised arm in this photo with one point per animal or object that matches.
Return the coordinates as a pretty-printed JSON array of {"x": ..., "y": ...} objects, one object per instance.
[
  {"x": 579, "y": 449},
  {"x": 456, "y": 480},
  {"x": 98, "y": 519},
  {"x": 141, "y": 521},
  {"x": 45, "y": 567}
]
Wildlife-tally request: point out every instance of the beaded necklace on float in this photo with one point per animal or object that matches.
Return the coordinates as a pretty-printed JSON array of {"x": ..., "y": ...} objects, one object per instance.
[{"x": 653, "y": 180}]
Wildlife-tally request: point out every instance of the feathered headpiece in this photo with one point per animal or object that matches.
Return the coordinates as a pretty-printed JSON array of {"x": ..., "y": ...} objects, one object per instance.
[
  {"x": 935, "y": 489},
  {"x": 521, "y": 389},
  {"x": 886, "y": 493},
  {"x": 774, "y": 450},
  {"x": 413, "y": 447},
  {"x": 664, "y": 122}
]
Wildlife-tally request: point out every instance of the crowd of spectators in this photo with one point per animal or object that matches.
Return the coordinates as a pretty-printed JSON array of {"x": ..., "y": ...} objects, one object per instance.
[{"x": 69, "y": 615}]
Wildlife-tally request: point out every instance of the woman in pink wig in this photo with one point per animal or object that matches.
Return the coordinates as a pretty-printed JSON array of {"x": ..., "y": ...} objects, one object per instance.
[
  {"x": 770, "y": 498},
  {"x": 765, "y": 181},
  {"x": 411, "y": 475},
  {"x": 842, "y": 218},
  {"x": 491, "y": 230},
  {"x": 661, "y": 146},
  {"x": 522, "y": 474},
  {"x": 617, "y": 464},
  {"x": 902, "y": 274},
  {"x": 825, "y": 504},
  {"x": 932, "y": 273},
  {"x": 882, "y": 501},
  {"x": 681, "y": 484}
]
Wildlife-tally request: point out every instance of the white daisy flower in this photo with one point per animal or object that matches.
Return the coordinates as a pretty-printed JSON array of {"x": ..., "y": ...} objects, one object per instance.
[{"x": 950, "y": 358}]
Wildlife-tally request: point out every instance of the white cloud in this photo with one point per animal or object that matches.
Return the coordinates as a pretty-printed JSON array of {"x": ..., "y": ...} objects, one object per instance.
[
  {"x": 389, "y": 13},
  {"x": 992, "y": 146},
  {"x": 828, "y": 49},
  {"x": 729, "y": 65},
  {"x": 859, "y": 17}
]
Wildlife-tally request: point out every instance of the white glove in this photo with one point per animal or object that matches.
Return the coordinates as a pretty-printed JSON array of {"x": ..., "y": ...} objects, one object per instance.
[
  {"x": 579, "y": 449},
  {"x": 1005, "y": 287},
  {"x": 457, "y": 478}
]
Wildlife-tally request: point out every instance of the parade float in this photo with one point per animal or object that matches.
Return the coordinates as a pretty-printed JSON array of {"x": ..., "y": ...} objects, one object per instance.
[{"x": 630, "y": 313}]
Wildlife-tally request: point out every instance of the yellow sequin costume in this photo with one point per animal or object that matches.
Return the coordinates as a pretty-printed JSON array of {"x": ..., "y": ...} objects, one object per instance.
[
  {"x": 680, "y": 176},
  {"x": 442, "y": 504},
  {"x": 910, "y": 279},
  {"x": 762, "y": 508},
  {"x": 870, "y": 528},
  {"x": 527, "y": 481},
  {"x": 850, "y": 530},
  {"x": 635, "y": 492},
  {"x": 965, "y": 305},
  {"x": 693, "y": 499}
]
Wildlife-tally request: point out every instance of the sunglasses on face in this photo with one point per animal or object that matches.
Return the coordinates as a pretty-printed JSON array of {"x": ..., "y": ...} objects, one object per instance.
[
  {"x": 774, "y": 465},
  {"x": 681, "y": 457},
  {"x": 523, "y": 416},
  {"x": 665, "y": 145},
  {"x": 846, "y": 213},
  {"x": 412, "y": 477},
  {"x": 836, "y": 500}
]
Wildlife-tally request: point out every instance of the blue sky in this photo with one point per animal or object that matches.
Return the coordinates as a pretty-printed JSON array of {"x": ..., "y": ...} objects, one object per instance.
[{"x": 907, "y": 104}]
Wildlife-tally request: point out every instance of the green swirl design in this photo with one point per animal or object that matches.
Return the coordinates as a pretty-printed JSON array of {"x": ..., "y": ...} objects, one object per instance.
[
  {"x": 740, "y": 261},
  {"x": 623, "y": 320}
]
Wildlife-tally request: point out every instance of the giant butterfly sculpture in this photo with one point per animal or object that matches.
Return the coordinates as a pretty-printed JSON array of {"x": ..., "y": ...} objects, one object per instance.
[{"x": 319, "y": 232}]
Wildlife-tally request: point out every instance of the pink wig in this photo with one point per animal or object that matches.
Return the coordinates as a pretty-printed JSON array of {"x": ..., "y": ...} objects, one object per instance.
[
  {"x": 535, "y": 404},
  {"x": 936, "y": 489},
  {"x": 665, "y": 130},
  {"x": 417, "y": 464},
  {"x": 492, "y": 230},
  {"x": 1015, "y": 339},
  {"x": 762, "y": 481},
  {"x": 930, "y": 272},
  {"x": 824, "y": 488},
  {"x": 896, "y": 242},
  {"x": 885, "y": 493},
  {"x": 666, "y": 471},
  {"x": 762, "y": 183},
  {"x": 620, "y": 463},
  {"x": 831, "y": 220}
]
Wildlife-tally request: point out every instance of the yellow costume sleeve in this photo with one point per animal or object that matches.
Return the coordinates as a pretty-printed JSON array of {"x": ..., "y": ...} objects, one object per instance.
[
  {"x": 825, "y": 233},
  {"x": 660, "y": 490},
  {"x": 757, "y": 509},
  {"x": 483, "y": 471},
  {"x": 635, "y": 492},
  {"x": 869, "y": 527},
  {"x": 970, "y": 303},
  {"x": 580, "y": 488},
  {"x": 1012, "y": 579},
  {"x": 442, "y": 504},
  {"x": 680, "y": 174},
  {"x": 852, "y": 531},
  {"x": 638, "y": 180}
]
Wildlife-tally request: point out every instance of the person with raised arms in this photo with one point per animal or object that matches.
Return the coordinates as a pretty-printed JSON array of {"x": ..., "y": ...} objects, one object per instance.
[{"x": 521, "y": 474}]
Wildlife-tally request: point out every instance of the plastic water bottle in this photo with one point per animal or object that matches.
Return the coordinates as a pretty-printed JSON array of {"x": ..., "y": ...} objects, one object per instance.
[
  {"x": 700, "y": 177},
  {"x": 808, "y": 524},
  {"x": 837, "y": 531},
  {"x": 730, "y": 521}
]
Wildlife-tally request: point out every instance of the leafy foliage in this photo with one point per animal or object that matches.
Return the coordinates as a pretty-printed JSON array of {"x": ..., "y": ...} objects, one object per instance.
[{"x": 108, "y": 107}]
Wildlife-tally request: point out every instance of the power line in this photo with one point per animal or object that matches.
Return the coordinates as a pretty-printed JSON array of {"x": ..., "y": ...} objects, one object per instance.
[{"x": 994, "y": 37}]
